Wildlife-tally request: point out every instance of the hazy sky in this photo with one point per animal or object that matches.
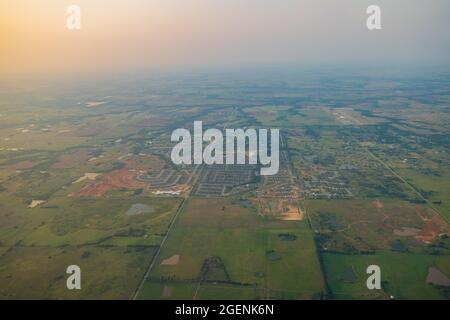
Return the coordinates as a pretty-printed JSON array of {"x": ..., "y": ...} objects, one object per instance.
[{"x": 148, "y": 34}]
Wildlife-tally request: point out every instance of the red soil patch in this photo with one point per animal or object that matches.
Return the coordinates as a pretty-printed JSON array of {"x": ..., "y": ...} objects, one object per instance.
[
  {"x": 71, "y": 160},
  {"x": 121, "y": 178},
  {"x": 115, "y": 180},
  {"x": 433, "y": 226},
  {"x": 428, "y": 233}
]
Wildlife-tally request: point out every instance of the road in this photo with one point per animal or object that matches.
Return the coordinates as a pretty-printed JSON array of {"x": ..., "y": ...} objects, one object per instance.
[{"x": 150, "y": 267}]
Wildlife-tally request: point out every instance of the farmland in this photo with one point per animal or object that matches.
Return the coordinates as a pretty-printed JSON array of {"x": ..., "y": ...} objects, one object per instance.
[
  {"x": 86, "y": 179},
  {"x": 228, "y": 248}
]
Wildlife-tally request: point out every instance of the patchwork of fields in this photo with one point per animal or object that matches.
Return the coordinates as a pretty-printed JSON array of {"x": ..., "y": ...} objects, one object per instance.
[
  {"x": 86, "y": 179},
  {"x": 226, "y": 250}
]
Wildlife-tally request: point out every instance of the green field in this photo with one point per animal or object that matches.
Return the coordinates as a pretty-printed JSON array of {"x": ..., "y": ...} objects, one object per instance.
[
  {"x": 404, "y": 275},
  {"x": 247, "y": 271},
  {"x": 40, "y": 272}
]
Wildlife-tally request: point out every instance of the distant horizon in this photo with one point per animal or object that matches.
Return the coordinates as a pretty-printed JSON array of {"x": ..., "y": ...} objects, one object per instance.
[
  {"x": 156, "y": 35},
  {"x": 380, "y": 69}
]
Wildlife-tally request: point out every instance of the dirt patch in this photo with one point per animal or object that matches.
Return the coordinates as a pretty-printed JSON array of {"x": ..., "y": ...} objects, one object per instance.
[
  {"x": 35, "y": 203},
  {"x": 429, "y": 232},
  {"x": 292, "y": 213},
  {"x": 280, "y": 209},
  {"x": 436, "y": 277},
  {"x": 115, "y": 180},
  {"x": 433, "y": 226},
  {"x": 181, "y": 188},
  {"x": 123, "y": 178},
  {"x": 378, "y": 204},
  {"x": 88, "y": 176},
  {"x": 172, "y": 261},
  {"x": 406, "y": 232}
]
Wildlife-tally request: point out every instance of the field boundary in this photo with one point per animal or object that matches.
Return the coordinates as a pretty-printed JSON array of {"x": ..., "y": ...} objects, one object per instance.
[{"x": 155, "y": 257}]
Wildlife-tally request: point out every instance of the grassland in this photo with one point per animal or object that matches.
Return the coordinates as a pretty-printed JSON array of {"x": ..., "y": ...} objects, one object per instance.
[
  {"x": 404, "y": 275},
  {"x": 244, "y": 242},
  {"x": 39, "y": 272}
]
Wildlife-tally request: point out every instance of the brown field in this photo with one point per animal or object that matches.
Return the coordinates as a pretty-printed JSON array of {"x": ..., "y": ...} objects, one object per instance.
[
  {"x": 292, "y": 213},
  {"x": 115, "y": 180},
  {"x": 122, "y": 178}
]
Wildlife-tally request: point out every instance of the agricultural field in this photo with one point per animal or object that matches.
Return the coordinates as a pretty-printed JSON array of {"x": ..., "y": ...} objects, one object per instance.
[
  {"x": 406, "y": 275},
  {"x": 226, "y": 249},
  {"x": 86, "y": 178},
  {"x": 357, "y": 226},
  {"x": 38, "y": 272}
]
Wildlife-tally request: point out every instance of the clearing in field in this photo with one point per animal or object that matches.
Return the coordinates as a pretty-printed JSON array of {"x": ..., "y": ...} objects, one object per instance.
[
  {"x": 436, "y": 277},
  {"x": 288, "y": 210},
  {"x": 87, "y": 176},
  {"x": 172, "y": 261},
  {"x": 36, "y": 203},
  {"x": 292, "y": 213}
]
